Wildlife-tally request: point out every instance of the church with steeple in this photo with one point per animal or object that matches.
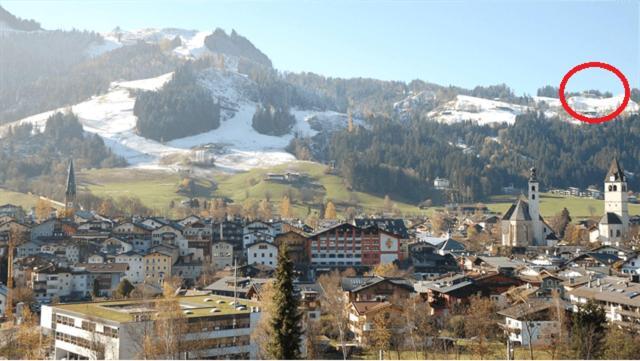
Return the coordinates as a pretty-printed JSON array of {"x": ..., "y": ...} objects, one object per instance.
[
  {"x": 70, "y": 192},
  {"x": 614, "y": 224},
  {"x": 522, "y": 225}
]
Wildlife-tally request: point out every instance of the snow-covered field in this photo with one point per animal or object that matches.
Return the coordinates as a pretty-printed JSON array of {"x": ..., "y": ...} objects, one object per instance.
[
  {"x": 478, "y": 110},
  {"x": 485, "y": 111},
  {"x": 239, "y": 146}
]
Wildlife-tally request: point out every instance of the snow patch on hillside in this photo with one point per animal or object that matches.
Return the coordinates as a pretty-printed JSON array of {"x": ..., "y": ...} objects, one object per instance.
[
  {"x": 589, "y": 106},
  {"x": 192, "y": 41},
  {"x": 484, "y": 111},
  {"x": 477, "y": 110}
]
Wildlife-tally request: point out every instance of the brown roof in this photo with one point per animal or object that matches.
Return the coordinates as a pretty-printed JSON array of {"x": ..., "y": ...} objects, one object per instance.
[
  {"x": 364, "y": 307},
  {"x": 104, "y": 267},
  {"x": 529, "y": 308}
]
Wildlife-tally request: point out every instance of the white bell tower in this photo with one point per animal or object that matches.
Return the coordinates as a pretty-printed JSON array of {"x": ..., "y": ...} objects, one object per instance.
[
  {"x": 534, "y": 208},
  {"x": 615, "y": 194}
]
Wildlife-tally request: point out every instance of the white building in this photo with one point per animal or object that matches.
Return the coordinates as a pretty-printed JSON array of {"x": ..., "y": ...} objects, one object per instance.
[
  {"x": 256, "y": 236},
  {"x": 614, "y": 224},
  {"x": 534, "y": 322},
  {"x": 262, "y": 253},
  {"x": 221, "y": 254},
  {"x": 632, "y": 265},
  {"x": 618, "y": 297},
  {"x": 522, "y": 224},
  {"x": 67, "y": 250},
  {"x": 135, "y": 272},
  {"x": 115, "y": 330},
  {"x": 441, "y": 183}
]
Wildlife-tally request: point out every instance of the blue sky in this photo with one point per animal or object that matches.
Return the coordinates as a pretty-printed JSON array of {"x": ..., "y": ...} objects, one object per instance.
[{"x": 525, "y": 44}]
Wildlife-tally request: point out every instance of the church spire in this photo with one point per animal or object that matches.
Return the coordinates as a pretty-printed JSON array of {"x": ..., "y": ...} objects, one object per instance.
[
  {"x": 71, "y": 181},
  {"x": 615, "y": 174},
  {"x": 70, "y": 192}
]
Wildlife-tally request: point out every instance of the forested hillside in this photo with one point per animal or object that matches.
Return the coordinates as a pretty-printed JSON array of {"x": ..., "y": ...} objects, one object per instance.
[
  {"x": 37, "y": 162},
  {"x": 181, "y": 108},
  {"x": 17, "y": 23},
  {"x": 403, "y": 159},
  {"x": 52, "y": 69}
]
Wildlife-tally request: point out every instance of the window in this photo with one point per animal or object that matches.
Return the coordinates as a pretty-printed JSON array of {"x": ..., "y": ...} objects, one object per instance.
[
  {"x": 615, "y": 188},
  {"x": 533, "y": 188},
  {"x": 533, "y": 196}
]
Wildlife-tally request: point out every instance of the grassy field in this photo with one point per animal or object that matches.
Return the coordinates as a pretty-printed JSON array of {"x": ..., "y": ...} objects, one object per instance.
[
  {"x": 158, "y": 188},
  {"x": 251, "y": 185},
  {"x": 155, "y": 188},
  {"x": 26, "y": 201},
  {"x": 551, "y": 204},
  {"x": 496, "y": 351}
]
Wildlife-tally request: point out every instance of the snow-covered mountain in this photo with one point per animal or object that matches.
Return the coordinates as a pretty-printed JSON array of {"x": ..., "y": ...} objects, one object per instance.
[
  {"x": 192, "y": 41},
  {"x": 236, "y": 144}
]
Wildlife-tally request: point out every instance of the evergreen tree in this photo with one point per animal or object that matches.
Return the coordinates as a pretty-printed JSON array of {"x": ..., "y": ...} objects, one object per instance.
[
  {"x": 124, "y": 288},
  {"x": 286, "y": 331}
]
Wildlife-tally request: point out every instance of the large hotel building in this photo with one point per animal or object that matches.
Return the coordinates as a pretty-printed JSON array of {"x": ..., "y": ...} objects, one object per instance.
[{"x": 216, "y": 328}]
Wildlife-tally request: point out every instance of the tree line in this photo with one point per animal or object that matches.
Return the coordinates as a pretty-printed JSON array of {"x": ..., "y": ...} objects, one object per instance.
[{"x": 180, "y": 108}]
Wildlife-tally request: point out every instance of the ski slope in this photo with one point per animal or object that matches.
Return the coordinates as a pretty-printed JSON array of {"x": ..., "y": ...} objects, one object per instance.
[{"x": 239, "y": 146}]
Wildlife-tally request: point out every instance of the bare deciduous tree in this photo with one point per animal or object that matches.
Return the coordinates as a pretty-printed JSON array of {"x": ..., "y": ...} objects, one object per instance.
[{"x": 334, "y": 305}]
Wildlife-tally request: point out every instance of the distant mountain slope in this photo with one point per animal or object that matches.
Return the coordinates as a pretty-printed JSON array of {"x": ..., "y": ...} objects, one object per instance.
[
  {"x": 235, "y": 45},
  {"x": 235, "y": 145},
  {"x": 9, "y": 22}
]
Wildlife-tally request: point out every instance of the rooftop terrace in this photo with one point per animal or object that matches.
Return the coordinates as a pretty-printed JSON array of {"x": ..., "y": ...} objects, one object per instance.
[{"x": 125, "y": 310}]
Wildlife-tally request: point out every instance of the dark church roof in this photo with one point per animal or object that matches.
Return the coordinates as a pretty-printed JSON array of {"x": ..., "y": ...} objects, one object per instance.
[
  {"x": 518, "y": 211},
  {"x": 615, "y": 171},
  {"x": 71, "y": 180},
  {"x": 610, "y": 218}
]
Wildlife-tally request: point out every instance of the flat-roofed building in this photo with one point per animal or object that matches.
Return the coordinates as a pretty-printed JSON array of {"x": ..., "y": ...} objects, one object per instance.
[{"x": 215, "y": 328}]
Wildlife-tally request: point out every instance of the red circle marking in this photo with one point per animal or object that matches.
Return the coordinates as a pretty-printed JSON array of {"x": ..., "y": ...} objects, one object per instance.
[{"x": 595, "y": 64}]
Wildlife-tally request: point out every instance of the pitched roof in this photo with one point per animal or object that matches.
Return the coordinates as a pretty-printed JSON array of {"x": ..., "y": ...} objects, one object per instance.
[
  {"x": 364, "y": 307},
  {"x": 451, "y": 245},
  {"x": 392, "y": 225},
  {"x": 71, "y": 180},
  {"x": 615, "y": 172},
  {"x": 521, "y": 211},
  {"x": 518, "y": 211},
  {"x": 356, "y": 284},
  {"x": 531, "y": 307},
  {"x": 610, "y": 218}
]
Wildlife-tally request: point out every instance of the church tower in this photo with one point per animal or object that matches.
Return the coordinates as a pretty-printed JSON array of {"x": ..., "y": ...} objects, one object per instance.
[
  {"x": 534, "y": 208},
  {"x": 615, "y": 194},
  {"x": 70, "y": 193}
]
